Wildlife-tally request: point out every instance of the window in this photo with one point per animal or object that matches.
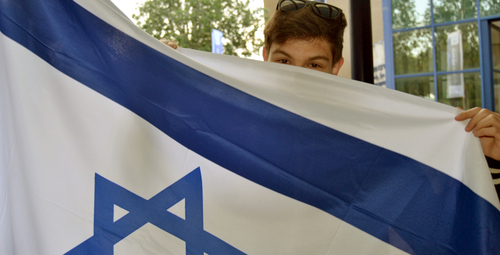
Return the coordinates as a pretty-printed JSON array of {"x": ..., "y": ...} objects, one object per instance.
[
  {"x": 465, "y": 38},
  {"x": 413, "y": 51},
  {"x": 439, "y": 50}
]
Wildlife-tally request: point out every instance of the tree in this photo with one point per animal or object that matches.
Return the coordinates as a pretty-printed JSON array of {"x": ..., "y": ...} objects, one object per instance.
[
  {"x": 403, "y": 14},
  {"x": 489, "y": 7},
  {"x": 190, "y": 23}
]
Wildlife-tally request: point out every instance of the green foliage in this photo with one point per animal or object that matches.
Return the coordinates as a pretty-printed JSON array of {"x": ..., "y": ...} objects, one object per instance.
[
  {"x": 403, "y": 14},
  {"x": 407, "y": 13},
  {"x": 190, "y": 23},
  {"x": 413, "y": 51},
  {"x": 445, "y": 10},
  {"x": 489, "y": 7}
]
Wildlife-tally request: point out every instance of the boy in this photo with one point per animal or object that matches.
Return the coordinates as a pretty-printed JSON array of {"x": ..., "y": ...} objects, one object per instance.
[{"x": 307, "y": 34}]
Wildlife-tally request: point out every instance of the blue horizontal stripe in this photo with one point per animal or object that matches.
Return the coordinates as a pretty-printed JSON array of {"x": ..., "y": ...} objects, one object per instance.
[{"x": 394, "y": 198}]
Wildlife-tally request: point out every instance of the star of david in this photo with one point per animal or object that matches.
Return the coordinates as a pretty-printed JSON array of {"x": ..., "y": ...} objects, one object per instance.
[{"x": 108, "y": 232}]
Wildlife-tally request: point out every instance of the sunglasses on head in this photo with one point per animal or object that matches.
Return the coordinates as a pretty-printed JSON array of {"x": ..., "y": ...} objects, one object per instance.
[{"x": 323, "y": 10}]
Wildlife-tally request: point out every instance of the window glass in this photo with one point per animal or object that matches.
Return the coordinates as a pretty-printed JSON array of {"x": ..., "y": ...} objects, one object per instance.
[
  {"x": 457, "y": 47},
  {"x": 453, "y": 10},
  {"x": 413, "y": 51},
  {"x": 410, "y": 13},
  {"x": 419, "y": 86},
  {"x": 467, "y": 96},
  {"x": 495, "y": 44},
  {"x": 489, "y": 7}
]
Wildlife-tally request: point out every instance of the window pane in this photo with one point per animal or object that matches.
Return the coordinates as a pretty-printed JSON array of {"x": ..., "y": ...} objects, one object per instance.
[
  {"x": 489, "y": 7},
  {"x": 495, "y": 44},
  {"x": 453, "y": 10},
  {"x": 410, "y": 13},
  {"x": 413, "y": 51},
  {"x": 469, "y": 96},
  {"x": 496, "y": 86},
  {"x": 457, "y": 47},
  {"x": 418, "y": 86}
]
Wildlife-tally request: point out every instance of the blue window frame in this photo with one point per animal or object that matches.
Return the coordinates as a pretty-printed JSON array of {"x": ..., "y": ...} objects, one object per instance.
[{"x": 441, "y": 50}]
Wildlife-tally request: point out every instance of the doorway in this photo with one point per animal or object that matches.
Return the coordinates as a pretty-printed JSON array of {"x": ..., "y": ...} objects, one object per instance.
[{"x": 495, "y": 60}]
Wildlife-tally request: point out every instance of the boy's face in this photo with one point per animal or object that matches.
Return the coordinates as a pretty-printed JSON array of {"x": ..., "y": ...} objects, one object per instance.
[{"x": 313, "y": 54}]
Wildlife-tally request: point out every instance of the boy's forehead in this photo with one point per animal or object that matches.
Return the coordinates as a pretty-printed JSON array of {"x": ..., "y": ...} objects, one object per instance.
[{"x": 317, "y": 46}]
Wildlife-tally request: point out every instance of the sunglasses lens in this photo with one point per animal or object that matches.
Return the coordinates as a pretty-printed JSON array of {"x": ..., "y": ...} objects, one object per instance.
[
  {"x": 326, "y": 11},
  {"x": 290, "y": 5},
  {"x": 323, "y": 10}
]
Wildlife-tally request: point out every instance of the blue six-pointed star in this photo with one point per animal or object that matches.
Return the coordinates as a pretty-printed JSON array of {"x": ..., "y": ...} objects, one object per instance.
[{"x": 108, "y": 232}]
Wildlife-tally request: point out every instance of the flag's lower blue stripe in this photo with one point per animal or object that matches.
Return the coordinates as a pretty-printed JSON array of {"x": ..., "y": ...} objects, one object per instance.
[{"x": 394, "y": 198}]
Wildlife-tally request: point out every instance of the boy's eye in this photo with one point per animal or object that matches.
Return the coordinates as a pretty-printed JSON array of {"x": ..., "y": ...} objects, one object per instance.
[
  {"x": 314, "y": 65},
  {"x": 283, "y": 61}
]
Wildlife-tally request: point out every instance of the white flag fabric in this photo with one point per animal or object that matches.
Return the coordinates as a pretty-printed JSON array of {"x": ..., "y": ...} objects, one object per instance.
[{"x": 113, "y": 143}]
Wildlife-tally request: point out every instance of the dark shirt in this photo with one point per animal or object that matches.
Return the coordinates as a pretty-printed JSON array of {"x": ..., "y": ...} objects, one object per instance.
[{"x": 495, "y": 164}]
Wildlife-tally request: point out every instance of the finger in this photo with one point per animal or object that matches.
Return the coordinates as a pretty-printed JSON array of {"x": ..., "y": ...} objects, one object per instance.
[
  {"x": 475, "y": 119},
  {"x": 486, "y": 119},
  {"x": 163, "y": 40},
  {"x": 172, "y": 44},
  {"x": 490, "y": 120},
  {"x": 488, "y": 132},
  {"x": 467, "y": 114}
]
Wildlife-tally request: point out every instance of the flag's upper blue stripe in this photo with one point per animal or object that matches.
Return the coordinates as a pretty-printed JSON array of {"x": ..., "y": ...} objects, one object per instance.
[{"x": 392, "y": 197}]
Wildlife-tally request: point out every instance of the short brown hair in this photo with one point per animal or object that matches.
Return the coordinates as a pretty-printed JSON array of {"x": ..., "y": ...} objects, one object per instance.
[{"x": 305, "y": 24}]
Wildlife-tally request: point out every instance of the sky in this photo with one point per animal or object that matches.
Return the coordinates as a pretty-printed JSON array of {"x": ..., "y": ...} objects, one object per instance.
[{"x": 128, "y": 7}]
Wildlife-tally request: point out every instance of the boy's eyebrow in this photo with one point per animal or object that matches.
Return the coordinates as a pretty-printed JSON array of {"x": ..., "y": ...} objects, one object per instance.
[
  {"x": 283, "y": 52},
  {"x": 312, "y": 58},
  {"x": 319, "y": 57}
]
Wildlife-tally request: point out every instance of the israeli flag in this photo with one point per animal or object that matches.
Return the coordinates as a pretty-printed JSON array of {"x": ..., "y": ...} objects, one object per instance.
[{"x": 113, "y": 143}]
